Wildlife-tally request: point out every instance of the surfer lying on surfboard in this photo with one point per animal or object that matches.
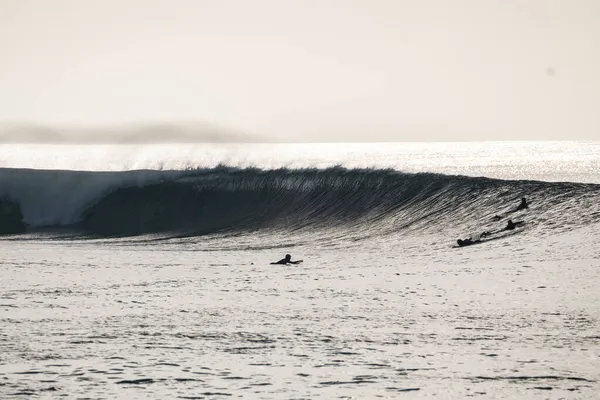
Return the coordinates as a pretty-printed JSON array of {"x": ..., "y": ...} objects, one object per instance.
[
  {"x": 510, "y": 225},
  {"x": 287, "y": 260},
  {"x": 470, "y": 240}
]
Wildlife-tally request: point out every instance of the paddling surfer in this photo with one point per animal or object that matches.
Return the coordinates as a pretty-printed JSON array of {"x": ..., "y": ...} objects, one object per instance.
[
  {"x": 510, "y": 225},
  {"x": 286, "y": 260},
  {"x": 466, "y": 242},
  {"x": 523, "y": 204}
]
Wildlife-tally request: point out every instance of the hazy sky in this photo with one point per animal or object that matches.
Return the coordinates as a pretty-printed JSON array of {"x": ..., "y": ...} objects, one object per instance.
[{"x": 309, "y": 69}]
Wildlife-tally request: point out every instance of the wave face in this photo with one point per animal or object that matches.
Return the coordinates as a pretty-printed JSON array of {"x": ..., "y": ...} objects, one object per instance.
[
  {"x": 11, "y": 217},
  {"x": 54, "y": 197},
  {"x": 359, "y": 202}
]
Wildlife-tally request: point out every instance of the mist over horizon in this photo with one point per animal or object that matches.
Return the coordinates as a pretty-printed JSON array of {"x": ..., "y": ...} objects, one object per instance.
[
  {"x": 123, "y": 134},
  {"x": 170, "y": 133}
]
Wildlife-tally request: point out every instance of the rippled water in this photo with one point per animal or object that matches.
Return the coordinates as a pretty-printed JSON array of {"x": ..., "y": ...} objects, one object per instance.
[{"x": 119, "y": 321}]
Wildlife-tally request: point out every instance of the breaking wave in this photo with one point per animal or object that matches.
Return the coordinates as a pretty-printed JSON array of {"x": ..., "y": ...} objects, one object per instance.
[{"x": 224, "y": 199}]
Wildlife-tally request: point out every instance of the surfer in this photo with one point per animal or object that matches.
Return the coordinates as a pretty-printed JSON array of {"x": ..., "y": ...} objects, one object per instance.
[
  {"x": 470, "y": 240},
  {"x": 466, "y": 242},
  {"x": 287, "y": 260},
  {"x": 523, "y": 204},
  {"x": 510, "y": 225}
]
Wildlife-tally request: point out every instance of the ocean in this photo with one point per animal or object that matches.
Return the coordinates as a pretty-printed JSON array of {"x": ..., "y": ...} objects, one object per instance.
[{"x": 144, "y": 271}]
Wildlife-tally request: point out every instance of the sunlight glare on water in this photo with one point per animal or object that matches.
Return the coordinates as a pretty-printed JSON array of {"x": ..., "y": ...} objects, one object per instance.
[{"x": 547, "y": 161}]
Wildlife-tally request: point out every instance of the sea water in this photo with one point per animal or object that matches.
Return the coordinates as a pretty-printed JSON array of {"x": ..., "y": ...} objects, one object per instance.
[{"x": 145, "y": 271}]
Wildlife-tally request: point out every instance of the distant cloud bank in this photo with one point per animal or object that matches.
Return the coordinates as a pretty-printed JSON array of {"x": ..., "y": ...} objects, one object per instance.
[{"x": 142, "y": 133}]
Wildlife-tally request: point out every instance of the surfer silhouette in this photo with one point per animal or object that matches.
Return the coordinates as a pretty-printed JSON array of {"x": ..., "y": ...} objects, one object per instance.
[
  {"x": 287, "y": 260},
  {"x": 510, "y": 225},
  {"x": 523, "y": 204},
  {"x": 466, "y": 242}
]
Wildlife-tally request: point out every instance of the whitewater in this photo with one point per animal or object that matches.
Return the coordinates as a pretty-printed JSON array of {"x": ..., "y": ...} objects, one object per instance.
[{"x": 143, "y": 271}]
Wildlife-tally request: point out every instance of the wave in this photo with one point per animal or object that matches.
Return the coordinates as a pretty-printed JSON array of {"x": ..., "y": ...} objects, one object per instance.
[{"x": 358, "y": 202}]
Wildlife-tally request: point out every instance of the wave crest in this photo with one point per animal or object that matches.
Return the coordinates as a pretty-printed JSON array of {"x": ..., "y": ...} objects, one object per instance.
[{"x": 361, "y": 201}]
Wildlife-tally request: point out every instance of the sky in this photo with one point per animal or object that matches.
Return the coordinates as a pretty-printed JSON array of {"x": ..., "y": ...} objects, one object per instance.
[{"x": 308, "y": 70}]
